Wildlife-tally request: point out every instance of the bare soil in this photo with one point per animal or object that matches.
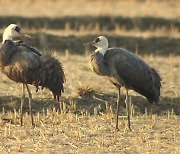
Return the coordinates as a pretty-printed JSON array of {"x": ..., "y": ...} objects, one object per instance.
[{"x": 86, "y": 121}]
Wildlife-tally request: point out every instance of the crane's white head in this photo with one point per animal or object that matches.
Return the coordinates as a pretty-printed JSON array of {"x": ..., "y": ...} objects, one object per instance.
[
  {"x": 101, "y": 43},
  {"x": 13, "y": 31}
]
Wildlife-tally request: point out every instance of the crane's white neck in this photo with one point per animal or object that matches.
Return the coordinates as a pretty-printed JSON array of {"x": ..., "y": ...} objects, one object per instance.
[
  {"x": 101, "y": 50},
  {"x": 7, "y": 37},
  {"x": 10, "y": 33}
]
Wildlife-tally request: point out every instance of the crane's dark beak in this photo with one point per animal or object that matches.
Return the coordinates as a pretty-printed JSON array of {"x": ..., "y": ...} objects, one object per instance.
[
  {"x": 22, "y": 34},
  {"x": 25, "y": 35},
  {"x": 90, "y": 43}
]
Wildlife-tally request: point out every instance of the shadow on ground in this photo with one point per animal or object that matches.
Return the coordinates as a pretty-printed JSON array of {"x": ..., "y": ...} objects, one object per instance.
[
  {"x": 139, "y": 103},
  {"x": 98, "y": 100}
]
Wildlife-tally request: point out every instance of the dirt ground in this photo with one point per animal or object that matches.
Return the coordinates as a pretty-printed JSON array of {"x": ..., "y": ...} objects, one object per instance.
[
  {"x": 84, "y": 119},
  {"x": 87, "y": 118}
]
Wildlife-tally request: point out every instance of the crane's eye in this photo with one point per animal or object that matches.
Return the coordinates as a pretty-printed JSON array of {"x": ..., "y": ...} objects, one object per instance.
[
  {"x": 17, "y": 29},
  {"x": 97, "y": 40}
]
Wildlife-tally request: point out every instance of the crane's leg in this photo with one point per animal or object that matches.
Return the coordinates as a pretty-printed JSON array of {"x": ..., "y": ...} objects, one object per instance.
[
  {"x": 30, "y": 104},
  {"x": 22, "y": 103},
  {"x": 118, "y": 107},
  {"x": 127, "y": 108}
]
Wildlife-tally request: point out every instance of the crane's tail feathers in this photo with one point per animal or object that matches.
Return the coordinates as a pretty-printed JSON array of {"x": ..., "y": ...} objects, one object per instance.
[
  {"x": 153, "y": 92},
  {"x": 157, "y": 85},
  {"x": 52, "y": 75}
]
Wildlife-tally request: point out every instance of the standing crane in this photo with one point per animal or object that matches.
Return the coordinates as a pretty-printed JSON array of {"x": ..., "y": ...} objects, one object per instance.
[
  {"x": 25, "y": 64},
  {"x": 124, "y": 69}
]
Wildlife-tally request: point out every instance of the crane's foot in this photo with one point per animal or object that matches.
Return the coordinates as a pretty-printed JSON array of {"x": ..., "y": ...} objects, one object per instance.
[
  {"x": 21, "y": 124},
  {"x": 32, "y": 122},
  {"x": 117, "y": 129},
  {"x": 130, "y": 129},
  {"x": 21, "y": 119},
  {"x": 129, "y": 126}
]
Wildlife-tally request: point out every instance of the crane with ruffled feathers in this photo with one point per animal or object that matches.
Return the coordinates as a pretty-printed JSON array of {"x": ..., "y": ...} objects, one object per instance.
[
  {"x": 124, "y": 69},
  {"x": 25, "y": 64}
]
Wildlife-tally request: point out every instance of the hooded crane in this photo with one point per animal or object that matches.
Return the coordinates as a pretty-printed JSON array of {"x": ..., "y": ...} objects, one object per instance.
[
  {"x": 24, "y": 64},
  {"x": 124, "y": 69}
]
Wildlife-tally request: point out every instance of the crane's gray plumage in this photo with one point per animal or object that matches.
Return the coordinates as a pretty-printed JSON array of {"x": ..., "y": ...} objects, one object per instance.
[
  {"x": 22, "y": 65},
  {"x": 26, "y": 47},
  {"x": 123, "y": 68},
  {"x": 25, "y": 64}
]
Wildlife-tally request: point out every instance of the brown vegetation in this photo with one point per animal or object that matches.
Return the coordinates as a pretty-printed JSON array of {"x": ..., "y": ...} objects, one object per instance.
[
  {"x": 60, "y": 8},
  {"x": 84, "y": 120}
]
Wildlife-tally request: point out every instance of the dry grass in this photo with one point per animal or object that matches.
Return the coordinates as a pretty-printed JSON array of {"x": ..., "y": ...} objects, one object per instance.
[
  {"x": 158, "y": 32},
  {"x": 85, "y": 120},
  {"x": 56, "y": 8},
  {"x": 69, "y": 133}
]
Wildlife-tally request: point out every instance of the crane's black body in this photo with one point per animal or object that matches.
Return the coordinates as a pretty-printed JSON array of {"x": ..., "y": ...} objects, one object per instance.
[
  {"x": 28, "y": 48},
  {"x": 123, "y": 68},
  {"x": 25, "y": 64}
]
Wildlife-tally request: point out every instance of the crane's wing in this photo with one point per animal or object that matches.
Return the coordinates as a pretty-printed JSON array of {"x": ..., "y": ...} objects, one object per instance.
[
  {"x": 28, "y": 67},
  {"x": 27, "y": 47},
  {"x": 20, "y": 62},
  {"x": 5, "y": 56},
  {"x": 136, "y": 74}
]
